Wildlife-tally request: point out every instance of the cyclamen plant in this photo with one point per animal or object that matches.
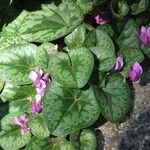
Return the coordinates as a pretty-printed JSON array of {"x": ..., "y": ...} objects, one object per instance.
[{"x": 63, "y": 66}]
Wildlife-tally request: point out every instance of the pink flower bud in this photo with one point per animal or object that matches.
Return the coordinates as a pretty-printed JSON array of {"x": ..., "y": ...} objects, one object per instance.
[
  {"x": 135, "y": 72},
  {"x": 145, "y": 35},
  {"x": 119, "y": 63}
]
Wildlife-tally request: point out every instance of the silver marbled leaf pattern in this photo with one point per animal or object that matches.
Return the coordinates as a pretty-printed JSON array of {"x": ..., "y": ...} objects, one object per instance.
[
  {"x": 114, "y": 98},
  {"x": 47, "y": 24},
  {"x": 67, "y": 110},
  {"x": 16, "y": 62},
  {"x": 73, "y": 69}
]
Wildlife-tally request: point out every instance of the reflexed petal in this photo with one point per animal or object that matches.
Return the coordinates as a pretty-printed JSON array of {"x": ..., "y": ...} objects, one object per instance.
[
  {"x": 39, "y": 72},
  {"x": 119, "y": 63},
  {"x": 132, "y": 75},
  {"x": 143, "y": 29},
  {"x": 24, "y": 118},
  {"x": 148, "y": 34},
  {"x": 46, "y": 77},
  {"x": 137, "y": 67},
  {"x": 33, "y": 76},
  {"x": 17, "y": 122},
  {"x": 143, "y": 38},
  {"x": 97, "y": 19},
  {"x": 38, "y": 98},
  {"x": 36, "y": 107}
]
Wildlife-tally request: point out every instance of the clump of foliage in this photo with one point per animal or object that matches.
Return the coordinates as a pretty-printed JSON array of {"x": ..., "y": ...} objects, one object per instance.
[{"x": 63, "y": 65}]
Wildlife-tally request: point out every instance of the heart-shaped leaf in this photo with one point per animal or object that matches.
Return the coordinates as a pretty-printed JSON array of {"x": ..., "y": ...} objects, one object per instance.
[
  {"x": 73, "y": 69},
  {"x": 102, "y": 46},
  {"x": 76, "y": 38},
  {"x": 13, "y": 139},
  {"x": 38, "y": 126},
  {"x": 44, "y": 52},
  {"x": 68, "y": 110},
  {"x": 114, "y": 99},
  {"x": 16, "y": 62},
  {"x": 129, "y": 46},
  {"x": 87, "y": 140},
  {"x": 47, "y": 24}
]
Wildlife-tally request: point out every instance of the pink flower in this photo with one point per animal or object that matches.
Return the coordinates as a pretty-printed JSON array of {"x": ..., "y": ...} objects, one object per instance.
[
  {"x": 145, "y": 35},
  {"x": 100, "y": 21},
  {"x": 135, "y": 72},
  {"x": 35, "y": 76},
  {"x": 23, "y": 123},
  {"x": 37, "y": 107},
  {"x": 119, "y": 63},
  {"x": 40, "y": 80}
]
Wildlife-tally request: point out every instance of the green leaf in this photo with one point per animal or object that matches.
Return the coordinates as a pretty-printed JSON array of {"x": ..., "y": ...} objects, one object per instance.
[
  {"x": 16, "y": 62},
  {"x": 129, "y": 36},
  {"x": 114, "y": 99},
  {"x": 8, "y": 41},
  {"x": 17, "y": 94},
  {"x": 68, "y": 110},
  {"x": 44, "y": 52},
  {"x": 73, "y": 69},
  {"x": 36, "y": 144},
  {"x": 129, "y": 46},
  {"x": 87, "y": 140},
  {"x": 74, "y": 138},
  {"x": 140, "y": 7},
  {"x": 146, "y": 50},
  {"x": 121, "y": 7},
  {"x": 13, "y": 139},
  {"x": 102, "y": 46},
  {"x": 49, "y": 144},
  {"x": 76, "y": 38},
  {"x": 47, "y": 24},
  {"x": 38, "y": 126},
  {"x": 107, "y": 29},
  {"x": 66, "y": 145}
]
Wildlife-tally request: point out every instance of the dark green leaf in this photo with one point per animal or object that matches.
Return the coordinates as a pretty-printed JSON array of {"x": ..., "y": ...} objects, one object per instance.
[
  {"x": 16, "y": 62},
  {"x": 146, "y": 50},
  {"x": 107, "y": 29},
  {"x": 129, "y": 46},
  {"x": 119, "y": 8},
  {"x": 73, "y": 69},
  {"x": 74, "y": 138},
  {"x": 87, "y": 140},
  {"x": 102, "y": 46},
  {"x": 68, "y": 110},
  {"x": 114, "y": 99},
  {"x": 137, "y": 8}
]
